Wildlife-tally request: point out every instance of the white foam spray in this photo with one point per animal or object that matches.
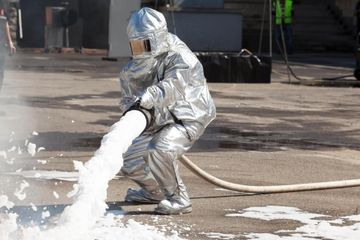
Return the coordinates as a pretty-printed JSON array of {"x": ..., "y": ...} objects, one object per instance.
[{"x": 78, "y": 220}]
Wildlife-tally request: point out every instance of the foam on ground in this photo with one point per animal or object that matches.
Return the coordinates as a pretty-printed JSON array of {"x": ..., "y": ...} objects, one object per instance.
[{"x": 85, "y": 219}]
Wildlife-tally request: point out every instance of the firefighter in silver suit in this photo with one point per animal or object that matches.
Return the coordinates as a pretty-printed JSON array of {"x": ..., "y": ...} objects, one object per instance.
[{"x": 167, "y": 79}]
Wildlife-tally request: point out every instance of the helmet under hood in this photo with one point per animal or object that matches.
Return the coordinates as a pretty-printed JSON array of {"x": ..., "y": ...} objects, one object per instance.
[{"x": 147, "y": 32}]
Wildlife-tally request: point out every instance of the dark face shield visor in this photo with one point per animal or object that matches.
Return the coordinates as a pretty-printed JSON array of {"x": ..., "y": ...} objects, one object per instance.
[{"x": 139, "y": 47}]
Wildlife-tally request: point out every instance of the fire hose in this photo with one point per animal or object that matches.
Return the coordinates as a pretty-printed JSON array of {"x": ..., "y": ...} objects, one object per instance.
[
  {"x": 266, "y": 189},
  {"x": 248, "y": 188}
]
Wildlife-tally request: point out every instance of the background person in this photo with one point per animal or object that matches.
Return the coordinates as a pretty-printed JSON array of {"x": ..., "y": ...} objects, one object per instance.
[
  {"x": 284, "y": 12},
  {"x": 6, "y": 43}
]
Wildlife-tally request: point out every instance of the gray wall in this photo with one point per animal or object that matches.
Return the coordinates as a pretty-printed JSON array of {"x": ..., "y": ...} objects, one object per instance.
[{"x": 120, "y": 11}]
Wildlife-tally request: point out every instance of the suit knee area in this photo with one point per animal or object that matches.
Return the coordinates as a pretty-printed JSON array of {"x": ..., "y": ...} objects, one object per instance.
[
  {"x": 130, "y": 170},
  {"x": 125, "y": 171},
  {"x": 156, "y": 151}
]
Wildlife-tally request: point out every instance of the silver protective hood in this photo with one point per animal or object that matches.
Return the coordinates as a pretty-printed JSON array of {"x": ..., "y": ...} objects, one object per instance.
[
  {"x": 171, "y": 76},
  {"x": 149, "y": 24}
]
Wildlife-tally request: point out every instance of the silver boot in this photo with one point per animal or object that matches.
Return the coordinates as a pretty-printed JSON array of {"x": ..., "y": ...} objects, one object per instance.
[
  {"x": 174, "y": 205},
  {"x": 143, "y": 196}
]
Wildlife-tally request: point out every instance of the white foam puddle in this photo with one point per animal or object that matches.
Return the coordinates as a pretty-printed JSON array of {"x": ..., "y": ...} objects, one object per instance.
[
  {"x": 223, "y": 236},
  {"x": 4, "y": 202},
  {"x": 111, "y": 227},
  {"x": 315, "y": 226},
  {"x": 85, "y": 219},
  {"x": 19, "y": 192},
  {"x": 47, "y": 175},
  {"x": 31, "y": 148}
]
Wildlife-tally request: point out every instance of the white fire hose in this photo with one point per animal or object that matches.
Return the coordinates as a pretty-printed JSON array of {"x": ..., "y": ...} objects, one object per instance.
[
  {"x": 266, "y": 189},
  {"x": 258, "y": 189}
]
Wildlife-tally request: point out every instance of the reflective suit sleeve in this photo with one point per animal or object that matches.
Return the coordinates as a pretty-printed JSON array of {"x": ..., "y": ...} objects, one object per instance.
[
  {"x": 170, "y": 89},
  {"x": 127, "y": 98}
]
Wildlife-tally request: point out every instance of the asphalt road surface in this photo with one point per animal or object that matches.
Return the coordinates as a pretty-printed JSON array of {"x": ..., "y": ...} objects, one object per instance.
[{"x": 264, "y": 134}]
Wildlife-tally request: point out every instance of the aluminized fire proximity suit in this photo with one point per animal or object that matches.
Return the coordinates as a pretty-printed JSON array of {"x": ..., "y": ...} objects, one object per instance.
[{"x": 169, "y": 81}]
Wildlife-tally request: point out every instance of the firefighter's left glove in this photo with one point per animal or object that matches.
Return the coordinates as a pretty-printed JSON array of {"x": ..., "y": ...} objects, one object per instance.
[{"x": 147, "y": 99}]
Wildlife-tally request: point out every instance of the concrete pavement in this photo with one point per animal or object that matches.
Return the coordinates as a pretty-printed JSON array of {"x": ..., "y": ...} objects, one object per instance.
[{"x": 264, "y": 134}]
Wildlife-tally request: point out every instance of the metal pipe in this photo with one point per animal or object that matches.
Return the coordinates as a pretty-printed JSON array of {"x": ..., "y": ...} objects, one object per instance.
[
  {"x": 270, "y": 28},
  {"x": 262, "y": 29},
  {"x": 20, "y": 24}
]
